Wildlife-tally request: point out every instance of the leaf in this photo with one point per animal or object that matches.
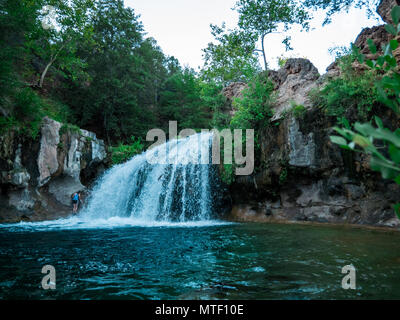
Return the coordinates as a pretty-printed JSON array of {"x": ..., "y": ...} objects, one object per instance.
[
  {"x": 394, "y": 44},
  {"x": 397, "y": 179},
  {"x": 380, "y": 61},
  {"x": 338, "y": 140},
  {"x": 378, "y": 122},
  {"x": 394, "y": 153},
  {"x": 370, "y": 63},
  {"x": 395, "y": 14},
  {"x": 391, "y": 29},
  {"x": 348, "y": 134},
  {"x": 387, "y": 170},
  {"x": 360, "y": 58},
  {"x": 363, "y": 142},
  {"x": 381, "y": 133},
  {"x": 391, "y": 61},
  {"x": 372, "y": 46}
]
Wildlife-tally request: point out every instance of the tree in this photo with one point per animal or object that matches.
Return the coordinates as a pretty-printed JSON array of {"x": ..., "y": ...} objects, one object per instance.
[
  {"x": 108, "y": 103},
  {"x": 17, "y": 20},
  {"x": 263, "y": 17},
  {"x": 181, "y": 100},
  {"x": 334, "y": 6},
  {"x": 58, "y": 39},
  {"x": 231, "y": 58}
]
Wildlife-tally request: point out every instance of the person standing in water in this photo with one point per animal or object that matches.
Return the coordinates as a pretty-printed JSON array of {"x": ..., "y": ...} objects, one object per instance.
[{"x": 76, "y": 198}]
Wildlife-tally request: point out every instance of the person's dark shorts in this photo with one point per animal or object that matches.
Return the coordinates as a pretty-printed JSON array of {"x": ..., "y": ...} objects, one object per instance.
[{"x": 74, "y": 201}]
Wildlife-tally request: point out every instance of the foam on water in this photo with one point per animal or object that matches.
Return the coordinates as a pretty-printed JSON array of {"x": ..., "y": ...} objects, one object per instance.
[{"x": 114, "y": 222}]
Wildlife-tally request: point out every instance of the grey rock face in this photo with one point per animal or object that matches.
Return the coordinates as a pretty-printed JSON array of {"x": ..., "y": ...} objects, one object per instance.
[
  {"x": 307, "y": 178},
  {"x": 293, "y": 83},
  {"x": 302, "y": 147},
  {"x": 47, "y": 160},
  {"x": 39, "y": 183}
]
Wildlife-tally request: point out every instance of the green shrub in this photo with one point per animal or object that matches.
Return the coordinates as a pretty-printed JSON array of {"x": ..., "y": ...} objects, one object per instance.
[
  {"x": 227, "y": 174},
  {"x": 69, "y": 127},
  {"x": 123, "y": 153},
  {"x": 27, "y": 109},
  {"x": 253, "y": 111},
  {"x": 254, "y": 108},
  {"x": 352, "y": 95},
  {"x": 297, "y": 110}
]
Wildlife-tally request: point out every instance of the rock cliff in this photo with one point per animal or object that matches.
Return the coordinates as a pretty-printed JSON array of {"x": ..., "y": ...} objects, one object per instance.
[
  {"x": 303, "y": 176},
  {"x": 38, "y": 176}
]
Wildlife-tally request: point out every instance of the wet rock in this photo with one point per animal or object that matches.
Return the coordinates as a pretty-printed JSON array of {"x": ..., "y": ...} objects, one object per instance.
[
  {"x": 63, "y": 187},
  {"x": 22, "y": 200}
]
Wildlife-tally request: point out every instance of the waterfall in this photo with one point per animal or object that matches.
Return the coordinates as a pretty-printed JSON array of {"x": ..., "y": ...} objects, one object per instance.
[{"x": 171, "y": 182}]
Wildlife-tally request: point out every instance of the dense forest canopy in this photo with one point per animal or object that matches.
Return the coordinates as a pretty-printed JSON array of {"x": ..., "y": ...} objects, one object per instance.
[{"x": 90, "y": 64}]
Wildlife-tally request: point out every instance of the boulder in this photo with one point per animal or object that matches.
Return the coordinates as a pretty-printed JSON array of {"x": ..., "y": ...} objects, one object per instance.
[
  {"x": 293, "y": 83},
  {"x": 47, "y": 159}
]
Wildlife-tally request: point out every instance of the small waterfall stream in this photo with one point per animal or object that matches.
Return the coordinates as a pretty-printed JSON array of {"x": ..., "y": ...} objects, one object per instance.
[{"x": 170, "y": 182}]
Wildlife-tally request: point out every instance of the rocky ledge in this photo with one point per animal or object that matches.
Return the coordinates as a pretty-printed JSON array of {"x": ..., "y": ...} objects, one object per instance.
[
  {"x": 303, "y": 176},
  {"x": 38, "y": 176}
]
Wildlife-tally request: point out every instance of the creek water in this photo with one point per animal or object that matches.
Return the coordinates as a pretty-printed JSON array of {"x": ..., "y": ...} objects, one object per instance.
[
  {"x": 197, "y": 261},
  {"x": 150, "y": 230}
]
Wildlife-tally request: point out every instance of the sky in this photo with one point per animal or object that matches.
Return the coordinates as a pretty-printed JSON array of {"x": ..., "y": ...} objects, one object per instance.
[{"x": 182, "y": 29}]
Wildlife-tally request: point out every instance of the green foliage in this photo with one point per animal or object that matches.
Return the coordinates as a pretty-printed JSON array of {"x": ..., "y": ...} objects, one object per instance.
[
  {"x": 297, "y": 110},
  {"x": 231, "y": 58},
  {"x": 352, "y": 95},
  {"x": 381, "y": 143},
  {"x": 182, "y": 100},
  {"x": 282, "y": 61},
  {"x": 68, "y": 127},
  {"x": 253, "y": 111},
  {"x": 123, "y": 153},
  {"x": 27, "y": 110},
  {"x": 254, "y": 108},
  {"x": 228, "y": 174},
  {"x": 281, "y": 14},
  {"x": 334, "y": 6},
  {"x": 211, "y": 95}
]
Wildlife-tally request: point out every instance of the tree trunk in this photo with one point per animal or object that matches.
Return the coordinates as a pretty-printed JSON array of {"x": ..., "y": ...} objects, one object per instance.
[
  {"x": 263, "y": 51},
  {"x": 53, "y": 58},
  {"x": 44, "y": 72}
]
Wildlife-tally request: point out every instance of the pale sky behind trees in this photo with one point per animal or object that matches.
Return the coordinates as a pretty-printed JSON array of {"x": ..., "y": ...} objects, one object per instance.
[{"x": 181, "y": 28}]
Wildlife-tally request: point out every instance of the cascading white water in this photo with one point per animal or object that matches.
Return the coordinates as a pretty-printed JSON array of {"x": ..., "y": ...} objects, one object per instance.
[{"x": 170, "y": 182}]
